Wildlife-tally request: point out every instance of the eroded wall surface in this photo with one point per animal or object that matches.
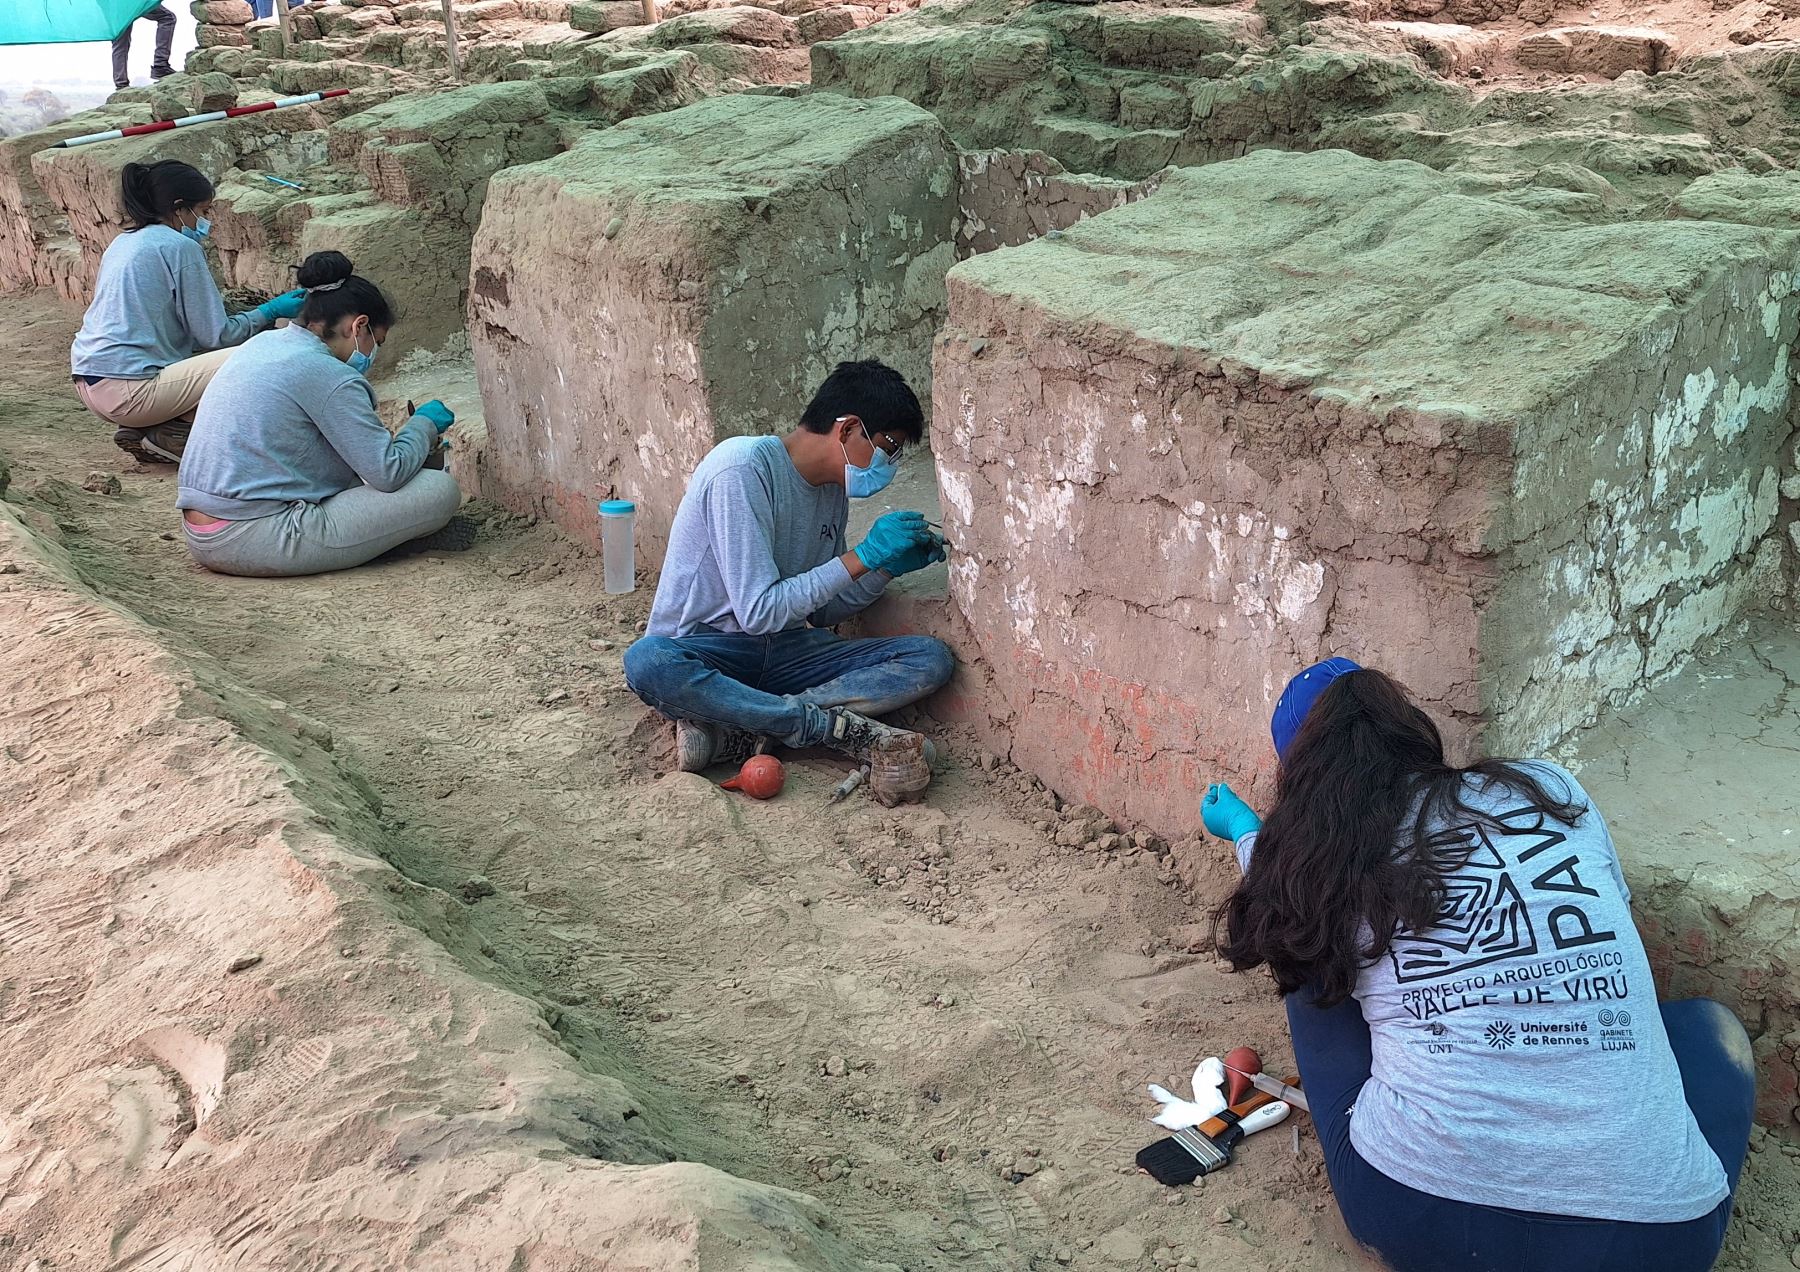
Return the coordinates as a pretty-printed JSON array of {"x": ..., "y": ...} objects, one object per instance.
[
  {"x": 1010, "y": 197},
  {"x": 694, "y": 275},
  {"x": 1295, "y": 406}
]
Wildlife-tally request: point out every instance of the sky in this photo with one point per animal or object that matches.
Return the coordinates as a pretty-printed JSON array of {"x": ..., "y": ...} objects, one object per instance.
[{"x": 90, "y": 65}]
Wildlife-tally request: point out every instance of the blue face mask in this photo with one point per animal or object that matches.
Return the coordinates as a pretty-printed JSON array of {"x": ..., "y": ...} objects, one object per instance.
[
  {"x": 360, "y": 362},
  {"x": 198, "y": 230},
  {"x": 860, "y": 483}
]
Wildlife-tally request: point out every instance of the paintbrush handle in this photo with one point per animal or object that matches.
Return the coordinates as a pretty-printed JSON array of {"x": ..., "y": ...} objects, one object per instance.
[{"x": 1215, "y": 1126}]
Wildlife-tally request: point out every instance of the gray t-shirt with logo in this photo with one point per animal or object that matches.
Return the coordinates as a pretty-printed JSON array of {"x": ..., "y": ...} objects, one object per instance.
[{"x": 1519, "y": 1058}]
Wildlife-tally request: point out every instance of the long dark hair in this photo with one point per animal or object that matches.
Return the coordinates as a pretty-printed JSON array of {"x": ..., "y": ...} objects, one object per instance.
[
  {"x": 152, "y": 191},
  {"x": 334, "y": 291},
  {"x": 1335, "y": 876}
]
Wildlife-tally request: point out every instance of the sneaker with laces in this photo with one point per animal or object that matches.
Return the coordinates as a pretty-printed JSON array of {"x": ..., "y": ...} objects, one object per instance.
[
  {"x": 856, "y": 735},
  {"x": 699, "y": 746},
  {"x": 147, "y": 447}
]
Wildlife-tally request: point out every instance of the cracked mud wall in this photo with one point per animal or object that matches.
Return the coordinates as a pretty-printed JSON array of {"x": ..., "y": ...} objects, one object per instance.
[
  {"x": 1644, "y": 513},
  {"x": 727, "y": 255},
  {"x": 1295, "y": 406}
]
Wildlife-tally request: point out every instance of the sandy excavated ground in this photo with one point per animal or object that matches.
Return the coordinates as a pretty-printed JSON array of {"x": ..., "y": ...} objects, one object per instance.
[{"x": 504, "y": 973}]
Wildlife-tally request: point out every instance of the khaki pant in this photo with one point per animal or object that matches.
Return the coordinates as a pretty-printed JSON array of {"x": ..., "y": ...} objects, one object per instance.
[{"x": 143, "y": 404}]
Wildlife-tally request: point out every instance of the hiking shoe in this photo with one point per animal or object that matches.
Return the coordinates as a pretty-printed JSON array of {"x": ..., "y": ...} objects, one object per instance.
[
  {"x": 856, "y": 735},
  {"x": 164, "y": 443},
  {"x": 699, "y": 746},
  {"x": 160, "y": 445},
  {"x": 160, "y": 72},
  {"x": 131, "y": 441}
]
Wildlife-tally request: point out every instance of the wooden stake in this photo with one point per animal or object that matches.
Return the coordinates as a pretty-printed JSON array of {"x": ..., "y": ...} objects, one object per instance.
[
  {"x": 450, "y": 38},
  {"x": 650, "y": 12},
  {"x": 287, "y": 28}
]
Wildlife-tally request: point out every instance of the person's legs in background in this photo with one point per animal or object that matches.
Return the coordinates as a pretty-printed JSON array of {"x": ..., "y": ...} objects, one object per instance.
[
  {"x": 121, "y": 53},
  {"x": 165, "y": 41},
  {"x": 1718, "y": 1075}
]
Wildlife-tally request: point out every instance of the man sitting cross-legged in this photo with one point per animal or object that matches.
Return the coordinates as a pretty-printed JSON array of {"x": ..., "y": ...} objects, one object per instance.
[{"x": 739, "y": 647}]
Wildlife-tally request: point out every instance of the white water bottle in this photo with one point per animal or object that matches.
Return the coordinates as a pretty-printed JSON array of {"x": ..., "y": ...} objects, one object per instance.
[{"x": 618, "y": 520}]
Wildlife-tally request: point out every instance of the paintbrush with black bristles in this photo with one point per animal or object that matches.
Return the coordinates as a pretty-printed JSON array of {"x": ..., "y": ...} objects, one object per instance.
[{"x": 1183, "y": 1157}]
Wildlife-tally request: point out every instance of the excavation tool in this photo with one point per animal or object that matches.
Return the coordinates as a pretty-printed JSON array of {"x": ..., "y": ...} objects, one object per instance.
[
  {"x": 1274, "y": 1087},
  {"x": 1240, "y": 1064},
  {"x": 762, "y": 777},
  {"x": 842, "y": 792},
  {"x": 211, "y": 116},
  {"x": 1186, "y": 1155}
]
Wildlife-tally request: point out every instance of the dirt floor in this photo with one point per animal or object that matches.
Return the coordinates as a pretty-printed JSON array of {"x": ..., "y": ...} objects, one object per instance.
[{"x": 934, "y": 1020}]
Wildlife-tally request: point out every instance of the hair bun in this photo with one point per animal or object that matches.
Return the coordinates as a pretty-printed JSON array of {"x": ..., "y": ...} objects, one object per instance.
[{"x": 323, "y": 269}]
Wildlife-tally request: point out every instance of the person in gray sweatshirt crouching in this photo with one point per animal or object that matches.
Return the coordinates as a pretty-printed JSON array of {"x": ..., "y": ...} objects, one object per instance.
[{"x": 289, "y": 470}]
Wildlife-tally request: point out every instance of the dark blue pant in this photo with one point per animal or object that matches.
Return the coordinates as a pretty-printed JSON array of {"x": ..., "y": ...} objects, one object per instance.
[
  {"x": 1417, "y": 1232},
  {"x": 781, "y": 686}
]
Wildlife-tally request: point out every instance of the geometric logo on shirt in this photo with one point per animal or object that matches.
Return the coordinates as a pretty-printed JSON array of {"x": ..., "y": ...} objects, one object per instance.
[
  {"x": 1500, "y": 1035},
  {"x": 1483, "y": 918}
]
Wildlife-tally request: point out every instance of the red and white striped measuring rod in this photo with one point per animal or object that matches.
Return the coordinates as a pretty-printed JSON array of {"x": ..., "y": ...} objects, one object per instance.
[{"x": 138, "y": 130}]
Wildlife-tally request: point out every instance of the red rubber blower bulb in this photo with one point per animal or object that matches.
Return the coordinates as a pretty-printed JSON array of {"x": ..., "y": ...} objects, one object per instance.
[
  {"x": 1239, "y": 1062},
  {"x": 762, "y": 777}
]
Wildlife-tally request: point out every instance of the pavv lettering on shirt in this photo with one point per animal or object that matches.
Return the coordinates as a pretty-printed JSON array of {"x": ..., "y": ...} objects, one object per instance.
[{"x": 1500, "y": 876}]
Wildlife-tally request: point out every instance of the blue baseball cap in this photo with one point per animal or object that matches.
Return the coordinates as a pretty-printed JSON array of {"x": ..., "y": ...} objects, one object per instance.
[{"x": 1297, "y": 699}]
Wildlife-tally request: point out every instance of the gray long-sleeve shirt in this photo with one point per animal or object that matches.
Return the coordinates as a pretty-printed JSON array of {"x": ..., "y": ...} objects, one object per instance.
[
  {"x": 155, "y": 303},
  {"x": 754, "y": 548},
  {"x": 285, "y": 420}
]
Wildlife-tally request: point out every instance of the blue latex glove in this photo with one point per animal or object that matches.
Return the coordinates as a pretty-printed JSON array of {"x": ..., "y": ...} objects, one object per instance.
[
  {"x": 1226, "y": 815},
  {"x": 890, "y": 538},
  {"x": 918, "y": 557},
  {"x": 440, "y": 415},
  {"x": 287, "y": 305}
]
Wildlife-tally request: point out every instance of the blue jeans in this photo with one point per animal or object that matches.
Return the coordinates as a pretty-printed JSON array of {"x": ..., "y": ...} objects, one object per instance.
[
  {"x": 1417, "y": 1232},
  {"x": 781, "y": 686}
]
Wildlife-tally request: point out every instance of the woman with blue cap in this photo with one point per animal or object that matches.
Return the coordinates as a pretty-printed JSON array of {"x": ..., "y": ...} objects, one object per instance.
[
  {"x": 157, "y": 332},
  {"x": 1493, "y": 1082}
]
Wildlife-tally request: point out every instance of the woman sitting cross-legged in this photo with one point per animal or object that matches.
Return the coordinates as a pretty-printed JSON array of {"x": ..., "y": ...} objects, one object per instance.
[
  {"x": 1493, "y": 1081},
  {"x": 289, "y": 470}
]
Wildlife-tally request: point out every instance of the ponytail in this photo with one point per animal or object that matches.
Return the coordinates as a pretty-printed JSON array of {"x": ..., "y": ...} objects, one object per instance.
[{"x": 150, "y": 192}]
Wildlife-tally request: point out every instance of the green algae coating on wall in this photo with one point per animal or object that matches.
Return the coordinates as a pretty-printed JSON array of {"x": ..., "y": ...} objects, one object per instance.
[
  {"x": 694, "y": 275},
  {"x": 1298, "y": 405}
]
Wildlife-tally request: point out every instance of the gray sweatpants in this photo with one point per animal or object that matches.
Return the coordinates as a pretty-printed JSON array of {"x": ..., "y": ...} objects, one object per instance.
[{"x": 347, "y": 529}]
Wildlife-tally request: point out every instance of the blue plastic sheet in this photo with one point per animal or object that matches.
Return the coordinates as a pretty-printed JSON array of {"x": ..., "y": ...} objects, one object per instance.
[{"x": 67, "y": 21}]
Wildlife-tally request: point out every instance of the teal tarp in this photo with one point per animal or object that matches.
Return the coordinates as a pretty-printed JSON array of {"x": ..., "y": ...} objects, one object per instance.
[{"x": 67, "y": 21}]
